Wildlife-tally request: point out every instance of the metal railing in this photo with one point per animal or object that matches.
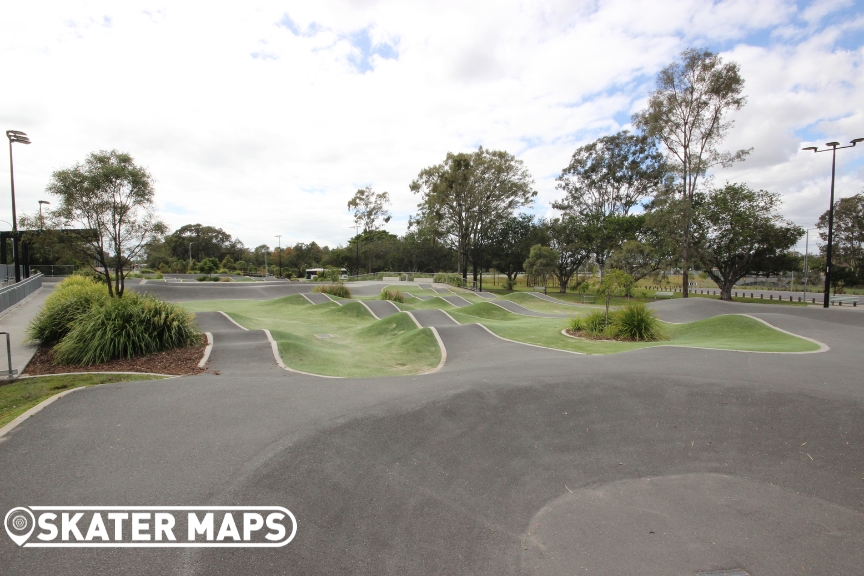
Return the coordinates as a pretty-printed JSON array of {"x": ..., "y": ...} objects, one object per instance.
[
  {"x": 15, "y": 293},
  {"x": 9, "y": 372},
  {"x": 52, "y": 270}
]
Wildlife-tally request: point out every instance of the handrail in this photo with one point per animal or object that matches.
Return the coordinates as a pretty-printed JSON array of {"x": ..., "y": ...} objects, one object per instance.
[{"x": 9, "y": 373}]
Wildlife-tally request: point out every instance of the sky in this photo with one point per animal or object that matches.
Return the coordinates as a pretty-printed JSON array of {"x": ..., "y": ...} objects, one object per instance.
[{"x": 265, "y": 118}]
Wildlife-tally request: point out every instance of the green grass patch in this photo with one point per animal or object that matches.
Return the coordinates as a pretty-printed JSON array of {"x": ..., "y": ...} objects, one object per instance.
[
  {"x": 436, "y": 302},
  {"x": 20, "y": 395},
  {"x": 361, "y": 346},
  {"x": 729, "y": 332}
]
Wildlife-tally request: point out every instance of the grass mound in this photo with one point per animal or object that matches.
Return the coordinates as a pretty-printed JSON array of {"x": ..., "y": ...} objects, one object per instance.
[
  {"x": 71, "y": 300},
  {"x": 350, "y": 310},
  {"x": 134, "y": 325},
  {"x": 392, "y": 295},
  {"x": 336, "y": 289}
]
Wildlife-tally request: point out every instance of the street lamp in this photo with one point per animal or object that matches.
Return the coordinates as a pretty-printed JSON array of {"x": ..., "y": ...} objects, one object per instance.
[
  {"x": 42, "y": 218},
  {"x": 834, "y": 146},
  {"x": 20, "y": 138},
  {"x": 279, "y": 236}
]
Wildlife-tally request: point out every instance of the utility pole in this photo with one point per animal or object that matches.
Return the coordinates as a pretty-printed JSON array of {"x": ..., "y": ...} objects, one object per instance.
[
  {"x": 357, "y": 245},
  {"x": 279, "y": 236}
]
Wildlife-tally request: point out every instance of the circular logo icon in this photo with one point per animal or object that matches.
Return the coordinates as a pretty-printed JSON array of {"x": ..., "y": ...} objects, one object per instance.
[{"x": 19, "y": 523}]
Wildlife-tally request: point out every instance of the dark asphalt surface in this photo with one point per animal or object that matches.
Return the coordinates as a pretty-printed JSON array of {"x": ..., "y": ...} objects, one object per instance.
[{"x": 510, "y": 460}]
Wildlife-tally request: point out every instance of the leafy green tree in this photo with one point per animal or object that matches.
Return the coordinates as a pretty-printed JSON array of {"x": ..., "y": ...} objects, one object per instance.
[
  {"x": 467, "y": 193},
  {"x": 208, "y": 266},
  {"x": 734, "y": 227},
  {"x": 566, "y": 238},
  {"x": 615, "y": 283},
  {"x": 509, "y": 244},
  {"x": 228, "y": 264},
  {"x": 541, "y": 263},
  {"x": 604, "y": 181},
  {"x": 848, "y": 238},
  {"x": 688, "y": 114},
  {"x": 370, "y": 208},
  {"x": 112, "y": 198}
]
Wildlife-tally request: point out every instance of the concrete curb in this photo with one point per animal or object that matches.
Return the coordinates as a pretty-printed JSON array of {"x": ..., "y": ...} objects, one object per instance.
[{"x": 207, "y": 350}]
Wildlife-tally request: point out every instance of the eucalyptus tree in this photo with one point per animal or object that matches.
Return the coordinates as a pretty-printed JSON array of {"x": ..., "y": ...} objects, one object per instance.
[
  {"x": 735, "y": 227},
  {"x": 111, "y": 199},
  {"x": 605, "y": 180},
  {"x": 567, "y": 238},
  {"x": 370, "y": 208},
  {"x": 510, "y": 244},
  {"x": 688, "y": 113},
  {"x": 848, "y": 239},
  {"x": 468, "y": 194}
]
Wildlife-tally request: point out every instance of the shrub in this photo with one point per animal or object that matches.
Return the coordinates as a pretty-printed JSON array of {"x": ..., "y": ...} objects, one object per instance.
[
  {"x": 73, "y": 298},
  {"x": 576, "y": 324},
  {"x": 594, "y": 322},
  {"x": 392, "y": 295},
  {"x": 509, "y": 284},
  {"x": 336, "y": 289},
  {"x": 134, "y": 325},
  {"x": 636, "y": 322},
  {"x": 452, "y": 279}
]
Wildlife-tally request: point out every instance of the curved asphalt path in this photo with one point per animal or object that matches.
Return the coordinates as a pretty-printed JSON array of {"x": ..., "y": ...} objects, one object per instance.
[{"x": 511, "y": 460}]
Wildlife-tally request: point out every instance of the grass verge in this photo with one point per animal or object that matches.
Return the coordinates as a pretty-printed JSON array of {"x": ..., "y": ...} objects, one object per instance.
[{"x": 20, "y": 395}]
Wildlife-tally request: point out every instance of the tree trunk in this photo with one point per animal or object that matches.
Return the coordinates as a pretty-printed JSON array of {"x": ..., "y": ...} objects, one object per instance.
[
  {"x": 685, "y": 266},
  {"x": 726, "y": 291}
]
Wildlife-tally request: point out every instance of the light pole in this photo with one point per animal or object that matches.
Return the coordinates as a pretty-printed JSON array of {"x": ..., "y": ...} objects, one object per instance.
[
  {"x": 806, "y": 252},
  {"x": 20, "y": 138},
  {"x": 42, "y": 218},
  {"x": 834, "y": 146},
  {"x": 357, "y": 245},
  {"x": 279, "y": 236}
]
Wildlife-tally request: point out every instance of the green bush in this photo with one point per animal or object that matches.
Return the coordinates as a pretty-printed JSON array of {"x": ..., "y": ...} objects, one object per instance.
[
  {"x": 73, "y": 298},
  {"x": 336, "y": 289},
  {"x": 134, "y": 325},
  {"x": 392, "y": 295},
  {"x": 509, "y": 284},
  {"x": 594, "y": 322},
  {"x": 452, "y": 279},
  {"x": 636, "y": 322}
]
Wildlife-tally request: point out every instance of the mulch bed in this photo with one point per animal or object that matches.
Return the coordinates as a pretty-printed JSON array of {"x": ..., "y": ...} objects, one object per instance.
[{"x": 180, "y": 362}]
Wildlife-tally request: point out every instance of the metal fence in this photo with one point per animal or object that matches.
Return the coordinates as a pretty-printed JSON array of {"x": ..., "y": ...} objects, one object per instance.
[
  {"x": 15, "y": 293},
  {"x": 53, "y": 270},
  {"x": 7, "y": 272}
]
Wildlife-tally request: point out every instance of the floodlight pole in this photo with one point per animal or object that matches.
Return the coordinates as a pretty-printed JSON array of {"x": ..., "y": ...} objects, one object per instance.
[
  {"x": 357, "y": 247},
  {"x": 279, "y": 236},
  {"x": 834, "y": 146},
  {"x": 20, "y": 138}
]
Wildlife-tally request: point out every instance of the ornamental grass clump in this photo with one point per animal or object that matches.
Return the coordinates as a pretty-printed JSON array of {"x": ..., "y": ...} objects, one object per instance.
[
  {"x": 73, "y": 299},
  {"x": 636, "y": 323},
  {"x": 337, "y": 289},
  {"x": 392, "y": 295},
  {"x": 135, "y": 325}
]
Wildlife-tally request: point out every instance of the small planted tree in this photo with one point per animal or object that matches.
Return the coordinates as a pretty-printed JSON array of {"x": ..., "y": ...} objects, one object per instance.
[
  {"x": 615, "y": 283},
  {"x": 208, "y": 266}
]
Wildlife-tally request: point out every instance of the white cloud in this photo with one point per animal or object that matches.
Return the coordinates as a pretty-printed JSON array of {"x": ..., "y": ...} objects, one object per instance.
[{"x": 263, "y": 128}]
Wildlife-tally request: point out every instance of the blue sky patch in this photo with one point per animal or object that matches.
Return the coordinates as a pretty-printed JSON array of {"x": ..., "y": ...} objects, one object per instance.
[{"x": 362, "y": 61}]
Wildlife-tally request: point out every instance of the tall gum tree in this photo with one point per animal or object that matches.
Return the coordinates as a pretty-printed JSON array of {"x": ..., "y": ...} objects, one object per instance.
[
  {"x": 604, "y": 181},
  {"x": 688, "y": 114},
  {"x": 111, "y": 198},
  {"x": 467, "y": 195}
]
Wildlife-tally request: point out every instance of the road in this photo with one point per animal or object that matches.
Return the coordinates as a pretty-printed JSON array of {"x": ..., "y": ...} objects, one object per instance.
[{"x": 511, "y": 459}]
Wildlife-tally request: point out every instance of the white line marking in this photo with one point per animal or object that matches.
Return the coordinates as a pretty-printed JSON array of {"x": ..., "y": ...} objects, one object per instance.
[
  {"x": 207, "y": 350},
  {"x": 410, "y": 315},
  {"x": 307, "y": 298},
  {"x": 443, "y": 351},
  {"x": 232, "y": 320},
  {"x": 275, "y": 348},
  {"x": 451, "y": 317},
  {"x": 526, "y": 344},
  {"x": 394, "y": 305}
]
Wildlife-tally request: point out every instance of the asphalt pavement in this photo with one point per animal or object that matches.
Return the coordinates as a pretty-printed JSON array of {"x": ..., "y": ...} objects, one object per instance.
[{"x": 512, "y": 459}]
